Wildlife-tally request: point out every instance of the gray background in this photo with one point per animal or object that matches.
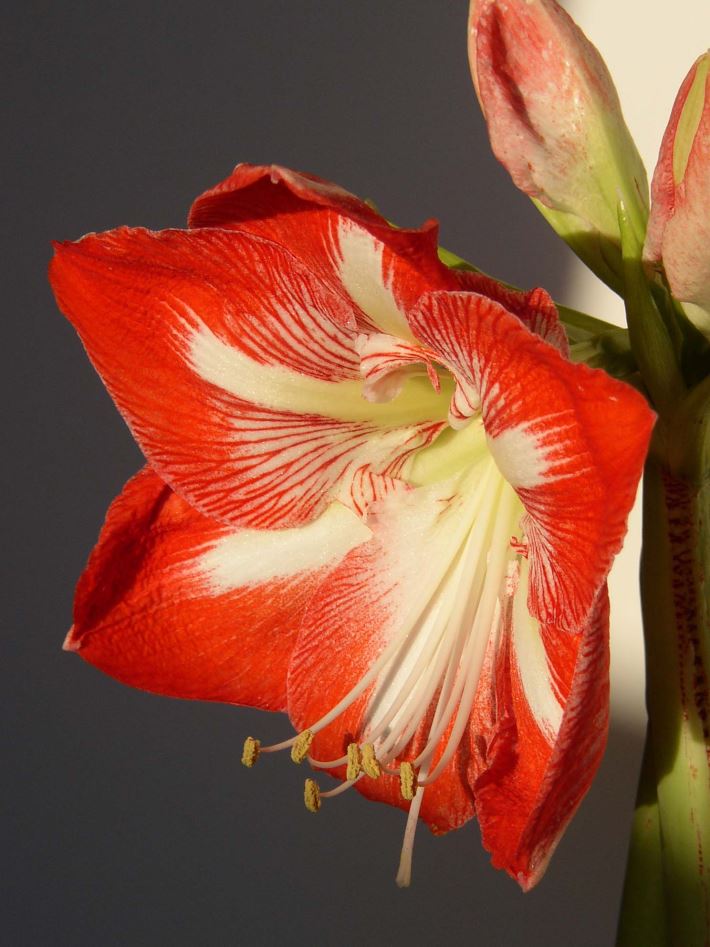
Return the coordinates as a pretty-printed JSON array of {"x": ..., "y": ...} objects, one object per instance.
[{"x": 129, "y": 819}]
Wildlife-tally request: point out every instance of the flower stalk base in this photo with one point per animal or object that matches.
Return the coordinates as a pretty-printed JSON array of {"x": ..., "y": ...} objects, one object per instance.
[{"x": 667, "y": 890}]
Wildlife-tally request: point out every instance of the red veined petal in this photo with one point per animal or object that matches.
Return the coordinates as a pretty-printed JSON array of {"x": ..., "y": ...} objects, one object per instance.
[
  {"x": 385, "y": 363},
  {"x": 233, "y": 368},
  {"x": 175, "y": 603},
  {"x": 261, "y": 195},
  {"x": 535, "y": 308},
  {"x": 570, "y": 440},
  {"x": 381, "y": 270},
  {"x": 544, "y": 738}
]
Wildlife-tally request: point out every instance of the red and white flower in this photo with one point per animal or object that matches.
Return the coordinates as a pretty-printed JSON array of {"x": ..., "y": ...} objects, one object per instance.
[{"x": 378, "y": 497}]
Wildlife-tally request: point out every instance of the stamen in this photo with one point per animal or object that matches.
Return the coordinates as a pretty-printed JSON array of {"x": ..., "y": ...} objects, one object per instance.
[
  {"x": 404, "y": 875},
  {"x": 382, "y": 661},
  {"x": 434, "y": 648},
  {"x": 495, "y": 577},
  {"x": 250, "y": 753},
  {"x": 398, "y": 642},
  {"x": 407, "y": 781},
  {"x": 343, "y": 787},
  {"x": 448, "y": 632},
  {"x": 455, "y": 644},
  {"x": 327, "y": 764},
  {"x": 301, "y": 746},
  {"x": 370, "y": 763},
  {"x": 435, "y": 656},
  {"x": 311, "y": 795},
  {"x": 446, "y": 655},
  {"x": 354, "y": 762}
]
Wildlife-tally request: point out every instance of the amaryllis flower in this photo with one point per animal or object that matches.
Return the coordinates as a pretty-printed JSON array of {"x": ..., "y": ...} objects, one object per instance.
[{"x": 378, "y": 497}]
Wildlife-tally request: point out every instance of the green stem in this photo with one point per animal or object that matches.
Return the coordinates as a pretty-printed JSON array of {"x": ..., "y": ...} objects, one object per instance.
[
  {"x": 643, "y": 916},
  {"x": 674, "y": 562},
  {"x": 651, "y": 342}
]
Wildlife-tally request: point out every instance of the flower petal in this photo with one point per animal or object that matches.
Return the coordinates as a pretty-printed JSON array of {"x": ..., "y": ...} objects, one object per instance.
[
  {"x": 545, "y": 738},
  {"x": 175, "y": 603},
  {"x": 386, "y": 362},
  {"x": 535, "y": 308},
  {"x": 234, "y": 369},
  {"x": 381, "y": 270},
  {"x": 570, "y": 440}
]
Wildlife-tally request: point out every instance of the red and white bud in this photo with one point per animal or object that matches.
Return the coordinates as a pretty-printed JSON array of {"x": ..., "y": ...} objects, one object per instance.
[
  {"x": 553, "y": 113},
  {"x": 679, "y": 225}
]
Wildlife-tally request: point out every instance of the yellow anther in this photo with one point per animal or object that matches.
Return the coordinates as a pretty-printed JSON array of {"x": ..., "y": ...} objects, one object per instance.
[
  {"x": 311, "y": 795},
  {"x": 370, "y": 763},
  {"x": 354, "y": 761},
  {"x": 299, "y": 750},
  {"x": 250, "y": 753},
  {"x": 407, "y": 781}
]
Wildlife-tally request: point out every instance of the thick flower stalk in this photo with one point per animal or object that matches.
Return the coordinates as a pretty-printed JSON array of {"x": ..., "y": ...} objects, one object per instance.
[
  {"x": 378, "y": 497},
  {"x": 556, "y": 125}
]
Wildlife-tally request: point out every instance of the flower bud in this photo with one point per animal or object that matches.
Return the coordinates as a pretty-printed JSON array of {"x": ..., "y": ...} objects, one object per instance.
[
  {"x": 554, "y": 119},
  {"x": 679, "y": 226}
]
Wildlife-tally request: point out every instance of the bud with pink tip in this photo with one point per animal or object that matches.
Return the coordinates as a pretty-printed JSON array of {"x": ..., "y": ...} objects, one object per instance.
[
  {"x": 679, "y": 226},
  {"x": 555, "y": 121}
]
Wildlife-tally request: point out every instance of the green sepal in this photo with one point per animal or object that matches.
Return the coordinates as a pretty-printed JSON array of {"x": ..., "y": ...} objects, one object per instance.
[
  {"x": 597, "y": 251},
  {"x": 611, "y": 352},
  {"x": 656, "y": 352},
  {"x": 693, "y": 346}
]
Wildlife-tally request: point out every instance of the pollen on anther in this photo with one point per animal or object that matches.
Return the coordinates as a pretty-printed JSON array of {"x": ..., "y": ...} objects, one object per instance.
[
  {"x": 250, "y": 753},
  {"x": 311, "y": 795},
  {"x": 354, "y": 767},
  {"x": 370, "y": 764},
  {"x": 407, "y": 781},
  {"x": 301, "y": 746}
]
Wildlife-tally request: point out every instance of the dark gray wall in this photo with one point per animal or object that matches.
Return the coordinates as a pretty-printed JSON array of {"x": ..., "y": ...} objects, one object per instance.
[{"x": 129, "y": 819}]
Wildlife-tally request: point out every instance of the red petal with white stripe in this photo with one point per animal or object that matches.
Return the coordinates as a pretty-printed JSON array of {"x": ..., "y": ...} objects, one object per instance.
[
  {"x": 570, "y": 440},
  {"x": 386, "y": 362},
  {"x": 233, "y": 367},
  {"x": 543, "y": 740},
  {"x": 175, "y": 603},
  {"x": 535, "y": 308},
  {"x": 381, "y": 270}
]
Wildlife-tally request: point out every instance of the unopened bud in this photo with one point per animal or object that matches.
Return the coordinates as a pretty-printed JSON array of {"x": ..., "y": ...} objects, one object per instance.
[{"x": 679, "y": 225}]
